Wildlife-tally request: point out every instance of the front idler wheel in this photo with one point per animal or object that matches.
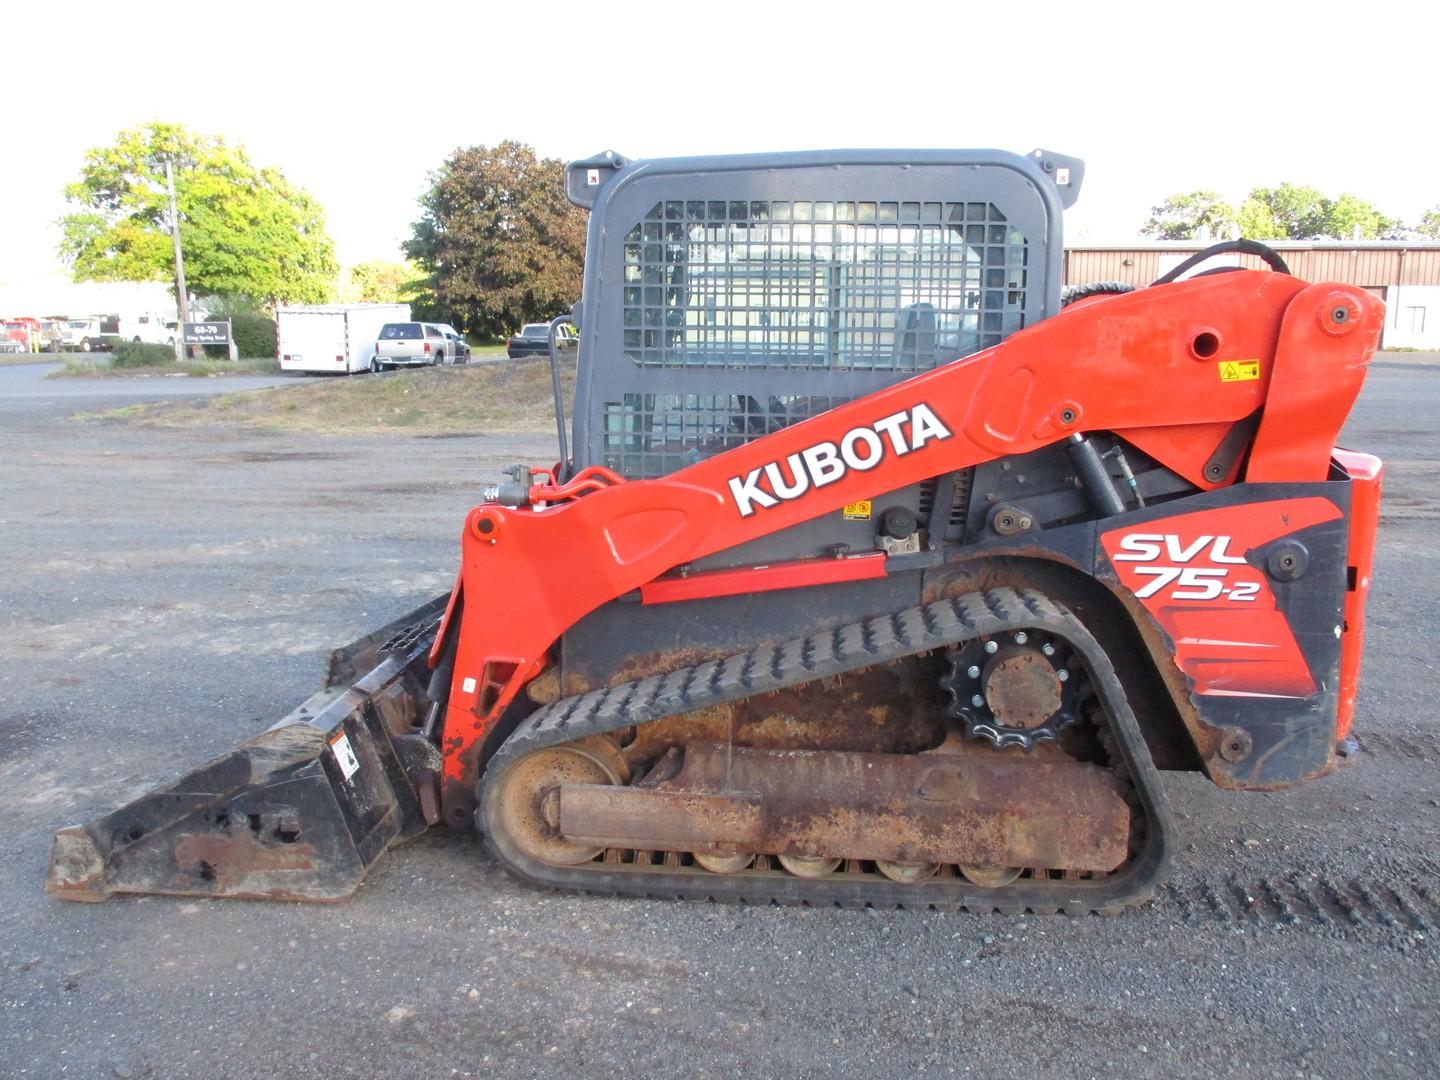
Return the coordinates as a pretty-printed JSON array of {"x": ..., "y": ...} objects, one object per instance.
[{"x": 529, "y": 798}]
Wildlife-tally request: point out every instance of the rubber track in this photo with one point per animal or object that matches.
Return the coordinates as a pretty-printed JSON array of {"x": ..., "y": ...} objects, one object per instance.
[{"x": 848, "y": 648}]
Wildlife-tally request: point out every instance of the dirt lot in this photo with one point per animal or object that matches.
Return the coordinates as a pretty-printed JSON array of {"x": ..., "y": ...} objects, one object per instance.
[{"x": 170, "y": 590}]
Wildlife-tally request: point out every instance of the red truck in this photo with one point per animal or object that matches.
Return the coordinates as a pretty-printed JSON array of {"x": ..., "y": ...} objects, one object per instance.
[{"x": 20, "y": 335}]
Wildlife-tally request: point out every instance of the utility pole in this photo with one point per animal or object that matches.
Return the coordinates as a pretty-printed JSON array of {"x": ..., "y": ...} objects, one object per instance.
[{"x": 182, "y": 298}]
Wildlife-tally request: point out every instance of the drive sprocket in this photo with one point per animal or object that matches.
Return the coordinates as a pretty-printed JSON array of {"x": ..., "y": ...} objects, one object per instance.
[{"x": 1014, "y": 689}]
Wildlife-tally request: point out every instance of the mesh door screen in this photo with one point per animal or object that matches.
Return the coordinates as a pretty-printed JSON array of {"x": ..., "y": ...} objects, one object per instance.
[
  {"x": 654, "y": 434},
  {"x": 823, "y": 285}
]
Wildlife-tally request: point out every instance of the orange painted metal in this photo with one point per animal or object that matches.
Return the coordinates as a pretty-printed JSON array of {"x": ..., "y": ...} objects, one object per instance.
[
  {"x": 1136, "y": 361},
  {"x": 1366, "y": 477},
  {"x": 1313, "y": 385}
]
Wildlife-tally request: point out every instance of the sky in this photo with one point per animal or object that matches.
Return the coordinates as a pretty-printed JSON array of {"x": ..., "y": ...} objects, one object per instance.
[{"x": 358, "y": 102}]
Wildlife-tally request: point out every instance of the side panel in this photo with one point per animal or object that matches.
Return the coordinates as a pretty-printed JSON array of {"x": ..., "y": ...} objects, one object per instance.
[
  {"x": 1366, "y": 474},
  {"x": 1243, "y": 594},
  {"x": 1247, "y": 585}
]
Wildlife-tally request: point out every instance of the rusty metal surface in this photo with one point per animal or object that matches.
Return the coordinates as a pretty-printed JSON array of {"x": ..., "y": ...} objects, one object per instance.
[
  {"x": 1021, "y": 687},
  {"x": 658, "y": 819},
  {"x": 237, "y": 861},
  {"x": 984, "y": 809},
  {"x": 544, "y": 689},
  {"x": 895, "y": 709},
  {"x": 396, "y": 705},
  {"x": 529, "y": 807},
  {"x": 274, "y": 835}
]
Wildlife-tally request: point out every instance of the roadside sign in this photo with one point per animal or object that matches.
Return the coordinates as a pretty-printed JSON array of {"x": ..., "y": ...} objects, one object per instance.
[{"x": 207, "y": 333}]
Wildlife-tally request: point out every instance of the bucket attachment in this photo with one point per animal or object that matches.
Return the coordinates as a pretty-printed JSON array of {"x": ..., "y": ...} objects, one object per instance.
[{"x": 299, "y": 812}]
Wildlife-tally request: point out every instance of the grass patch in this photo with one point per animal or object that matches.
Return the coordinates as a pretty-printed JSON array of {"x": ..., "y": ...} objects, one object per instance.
[
  {"x": 140, "y": 354},
  {"x": 424, "y": 401},
  {"x": 82, "y": 368},
  {"x": 8, "y": 359}
]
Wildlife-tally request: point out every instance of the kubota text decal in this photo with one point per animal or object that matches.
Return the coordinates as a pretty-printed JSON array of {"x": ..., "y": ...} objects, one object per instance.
[{"x": 860, "y": 448}]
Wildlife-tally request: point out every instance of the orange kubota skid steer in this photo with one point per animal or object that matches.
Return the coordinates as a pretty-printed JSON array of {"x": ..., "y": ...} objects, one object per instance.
[{"x": 878, "y": 572}]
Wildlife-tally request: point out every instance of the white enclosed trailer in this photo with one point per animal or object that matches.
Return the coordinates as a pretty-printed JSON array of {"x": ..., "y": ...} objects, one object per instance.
[{"x": 332, "y": 337}]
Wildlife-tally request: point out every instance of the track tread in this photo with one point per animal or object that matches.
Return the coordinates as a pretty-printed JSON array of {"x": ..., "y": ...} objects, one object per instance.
[
  {"x": 769, "y": 668},
  {"x": 1393, "y": 904}
]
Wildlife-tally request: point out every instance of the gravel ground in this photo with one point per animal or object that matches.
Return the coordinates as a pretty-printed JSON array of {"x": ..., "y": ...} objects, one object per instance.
[{"x": 168, "y": 592}]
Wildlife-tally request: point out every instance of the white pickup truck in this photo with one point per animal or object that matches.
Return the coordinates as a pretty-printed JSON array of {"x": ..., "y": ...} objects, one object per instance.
[{"x": 413, "y": 344}]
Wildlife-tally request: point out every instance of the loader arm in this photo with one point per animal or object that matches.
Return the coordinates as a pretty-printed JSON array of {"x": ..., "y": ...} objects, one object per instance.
[{"x": 1176, "y": 369}]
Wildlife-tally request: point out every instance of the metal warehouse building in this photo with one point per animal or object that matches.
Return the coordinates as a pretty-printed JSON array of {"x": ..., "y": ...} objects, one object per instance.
[{"x": 1406, "y": 275}]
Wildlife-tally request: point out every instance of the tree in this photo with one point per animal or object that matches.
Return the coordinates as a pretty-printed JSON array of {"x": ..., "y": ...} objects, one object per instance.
[
  {"x": 1290, "y": 211},
  {"x": 1256, "y": 221},
  {"x": 382, "y": 282},
  {"x": 1182, "y": 217},
  {"x": 246, "y": 231},
  {"x": 1298, "y": 211},
  {"x": 1352, "y": 218},
  {"x": 1430, "y": 223},
  {"x": 499, "y": 243}
]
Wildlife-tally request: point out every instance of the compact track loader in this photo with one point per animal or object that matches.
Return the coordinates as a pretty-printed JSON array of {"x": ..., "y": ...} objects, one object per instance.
[{"x": 879, "y": 571}]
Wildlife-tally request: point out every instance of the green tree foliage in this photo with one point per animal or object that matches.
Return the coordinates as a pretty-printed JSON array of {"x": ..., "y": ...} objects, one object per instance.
[
  {"x": 1287, "y": 212},
  {"x": 1351, "y": 217},
  {"x": 1181, "y": 217},
  {"x": 381, "y": 282},
  {"x": 499, "y": 243},
  {"x": 1430, "y": 223},
  {"x": 246, "y": 231},
  {"x": 1256, "y": 221},
  {"x": 1298, "y": 211}
]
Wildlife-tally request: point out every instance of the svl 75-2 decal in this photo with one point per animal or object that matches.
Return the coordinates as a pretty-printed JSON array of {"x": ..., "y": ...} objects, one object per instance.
[
  {"x": 1174, "y": 556},
  {"x": 1218, "y": 607}
]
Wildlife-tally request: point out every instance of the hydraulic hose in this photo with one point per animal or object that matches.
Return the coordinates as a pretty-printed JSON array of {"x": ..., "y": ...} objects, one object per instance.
[{"x": 1242, "y": 247}]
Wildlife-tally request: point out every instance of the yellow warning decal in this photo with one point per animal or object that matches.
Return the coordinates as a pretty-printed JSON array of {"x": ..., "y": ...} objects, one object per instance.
[
  {"x": 1239, "y": 370},
  {"x": 857, "y": 511}
]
